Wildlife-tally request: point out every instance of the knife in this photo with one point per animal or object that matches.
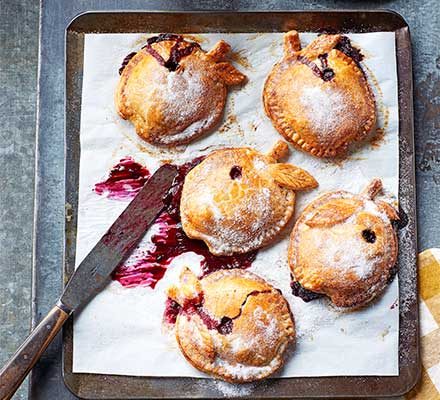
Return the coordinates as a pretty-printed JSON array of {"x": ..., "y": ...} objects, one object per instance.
[{"x": 91, "y": 275}]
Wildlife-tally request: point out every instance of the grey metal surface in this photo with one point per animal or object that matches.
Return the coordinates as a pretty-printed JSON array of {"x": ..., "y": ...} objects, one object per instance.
[
  {"x": 17, "y": 111},
  {"x": 18, "y": 82}
]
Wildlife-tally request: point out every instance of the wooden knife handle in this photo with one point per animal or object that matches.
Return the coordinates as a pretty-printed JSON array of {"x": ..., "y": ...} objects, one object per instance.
[{"x": 17, "y": 368}]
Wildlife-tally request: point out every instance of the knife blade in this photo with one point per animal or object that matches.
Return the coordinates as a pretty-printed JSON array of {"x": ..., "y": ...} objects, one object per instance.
[
  {"x": 119, "y": 240},
  {"x": 91, "y": 275}
]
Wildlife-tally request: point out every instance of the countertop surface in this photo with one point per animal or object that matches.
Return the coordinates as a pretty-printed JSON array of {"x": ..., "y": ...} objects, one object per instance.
[{"x": 19, "y": 31}]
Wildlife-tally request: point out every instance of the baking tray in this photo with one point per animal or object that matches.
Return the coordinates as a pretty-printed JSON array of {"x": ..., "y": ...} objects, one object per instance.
[{"x": 94, "y": 386}]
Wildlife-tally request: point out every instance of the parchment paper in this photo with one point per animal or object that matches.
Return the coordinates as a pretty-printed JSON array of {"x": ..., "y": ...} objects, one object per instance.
[{"x": 120, "y": 331}]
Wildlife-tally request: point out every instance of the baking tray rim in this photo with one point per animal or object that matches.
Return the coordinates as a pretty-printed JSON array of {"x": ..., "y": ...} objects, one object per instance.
[{"x": 416, "y": 368}]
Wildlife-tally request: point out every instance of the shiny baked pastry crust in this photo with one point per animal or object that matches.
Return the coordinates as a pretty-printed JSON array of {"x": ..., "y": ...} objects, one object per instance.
[
  {"x": 318, "y": 98},
  {"x": 238, "y": 199},
  {"x": 344, "y": 246},
  {"x": 261, "y": 324},
  {"x": 173, "y": 91}
]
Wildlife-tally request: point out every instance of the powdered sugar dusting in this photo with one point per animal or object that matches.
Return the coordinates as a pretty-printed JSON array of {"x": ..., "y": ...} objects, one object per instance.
[
  {"x": 347, "y": 255},
  {"x": 325, "y": 108},
  {"x": 352, "y": 253},
  {"x": 184, "y": 93}
]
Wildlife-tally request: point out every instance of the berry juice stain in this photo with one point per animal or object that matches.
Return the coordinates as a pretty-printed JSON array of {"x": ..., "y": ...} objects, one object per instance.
[
  {"x": 180, "y": 49},
  {"x": 170, "y": 241},
  {"x": 195, "y": 306},
  {"x": 125, "y": 180}
]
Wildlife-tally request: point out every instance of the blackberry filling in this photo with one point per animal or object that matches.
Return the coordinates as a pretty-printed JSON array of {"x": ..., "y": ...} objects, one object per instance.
[
  {"x": 305, "y": 294},
  {"x": 170, "y": 241},
  {"x": 369, "y": 235},
  {"x": 235, "y": 172}
]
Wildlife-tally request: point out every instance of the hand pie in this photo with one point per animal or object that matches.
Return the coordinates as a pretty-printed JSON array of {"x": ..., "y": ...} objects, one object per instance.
[
  {"x": 238, "y": 200},
  {"x": 231, "y": 324},
  {"x": 344, "y": 246},
  {"x": 173, "y": 91},
  {"x": 318, "y": 98}
]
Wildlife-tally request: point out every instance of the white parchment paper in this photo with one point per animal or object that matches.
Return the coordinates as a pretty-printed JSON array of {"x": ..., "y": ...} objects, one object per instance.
[{"x": 120, "y": 331}]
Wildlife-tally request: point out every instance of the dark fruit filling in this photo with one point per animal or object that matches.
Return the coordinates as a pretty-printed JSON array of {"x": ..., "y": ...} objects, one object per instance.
[
  {"x": 172, "y": 310},
  {"x": 178, "y": 51},
  {"x": 369, "y": 235},
  {"x": 325, "y": 72},
  {"x": 150, "y": 265},
  {"x": 393, "y": 273},
  {"x": 305, "y": 294},
  {"x": 346, "y": 47},
  {"x": 125, "y": 180},
  {"x": 125, "y": 61},
  {"x": 235, "y": 172},
  {"x": 402, "y": 221},
  {"x": 195, "y": 306}
]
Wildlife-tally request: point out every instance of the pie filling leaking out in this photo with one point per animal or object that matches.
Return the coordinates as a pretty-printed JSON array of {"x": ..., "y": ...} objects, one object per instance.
[
  {"x": 173, "y": 91},
  {"x": 238, "y": 200},
  {"x": 318, "y": 97},
  {"x": 344, "y": 246},
  {"x": 231, "y": 324},
  {"x": 125, "y": 180}
]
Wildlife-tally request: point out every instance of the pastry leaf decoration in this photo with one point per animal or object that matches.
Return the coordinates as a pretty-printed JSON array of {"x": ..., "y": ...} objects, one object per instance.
[
  {"x": 229, "y": 74},
  {"x": 292, "y": 177},
  {"x": 219, "y": 51},
  {"x": 333, "y": 212}
]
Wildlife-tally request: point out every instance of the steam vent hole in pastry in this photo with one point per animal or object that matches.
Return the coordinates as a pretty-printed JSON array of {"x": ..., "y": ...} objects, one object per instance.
[
  {"x": 235, "y": 172},
  {"x": 231, "y": 324},
  {"x": 369, "y": 235},
  {"x": 238, "y": 200},
  {"x": 319, "y": 97},
  {"x": 173, "y": 91},
  {"x": 344, "y": 246}
]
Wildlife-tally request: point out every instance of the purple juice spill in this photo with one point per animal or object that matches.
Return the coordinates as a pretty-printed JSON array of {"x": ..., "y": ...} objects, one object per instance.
[
  {"x": 170, "y": 241},
  {"x": 124, "y": 181}
]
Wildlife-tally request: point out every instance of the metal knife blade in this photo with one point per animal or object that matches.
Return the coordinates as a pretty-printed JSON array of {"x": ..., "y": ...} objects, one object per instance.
[{"x": 113, "y": 248}]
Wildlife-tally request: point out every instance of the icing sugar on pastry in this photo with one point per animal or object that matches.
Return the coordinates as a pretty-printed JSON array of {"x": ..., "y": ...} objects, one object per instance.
[
  {"x": 344, "y": 246},
  {"x": 318, "y": 97},
  {"x": 231, "y": 324},
  {"x": 238, "y": 200},
  {"x": 173, "y": 91}
]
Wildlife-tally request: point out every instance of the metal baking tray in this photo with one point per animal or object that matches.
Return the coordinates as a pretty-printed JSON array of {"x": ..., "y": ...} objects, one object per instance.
[{"x": 93, "y": 386}]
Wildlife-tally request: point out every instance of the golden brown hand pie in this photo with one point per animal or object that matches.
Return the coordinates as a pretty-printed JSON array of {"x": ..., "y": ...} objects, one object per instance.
[
  {"x": 238, "y": 200},
  {"x": 173, "y": 91},
  {"x": 318, "y": 98},
  {"x": 232, "y": 324},
  {"x": 344, "y": 246}
]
